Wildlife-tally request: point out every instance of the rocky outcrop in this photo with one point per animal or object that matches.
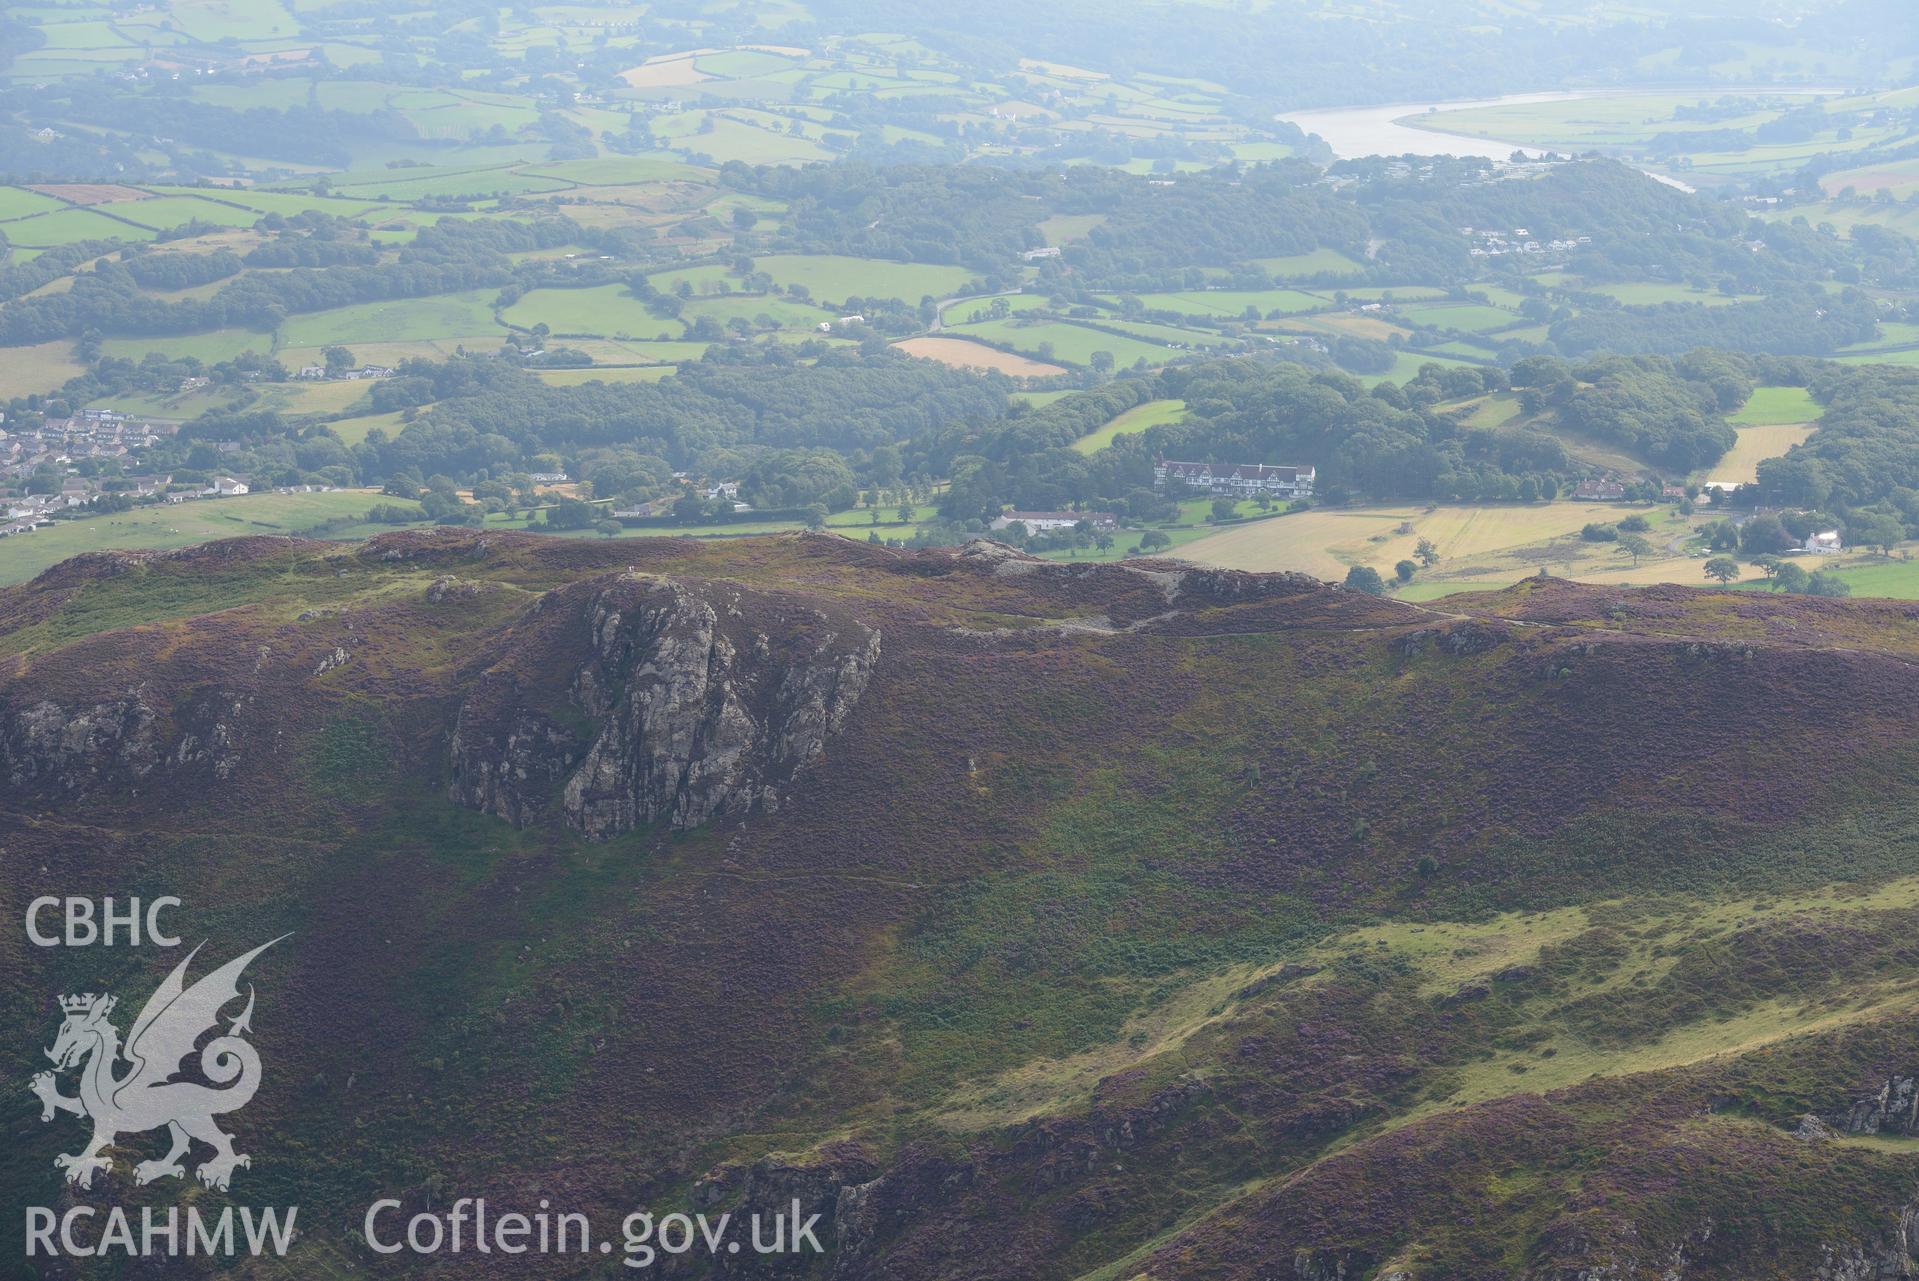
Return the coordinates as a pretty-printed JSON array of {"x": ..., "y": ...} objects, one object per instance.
[
  {"x": 701, "y": 702},
  {"x": 810, "y": 1195},
  {"x": 126, "y": 742},
  {"x": 1332, "y": 1264},
  {"x": 509, "y": 763},
  {"x": 1459, "y": 640},
  {"x": 869, "y": 1217},
  {"x": 71, "y": 751},
  {"x": 1893, "y": 1109},
  {"x": 1892, "y": 1257}
]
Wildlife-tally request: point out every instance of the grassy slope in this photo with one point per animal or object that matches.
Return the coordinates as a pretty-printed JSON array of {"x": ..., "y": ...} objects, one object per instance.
[
  {"x": 182, "y": 525},
  {"x": 1154, "y": 413}
]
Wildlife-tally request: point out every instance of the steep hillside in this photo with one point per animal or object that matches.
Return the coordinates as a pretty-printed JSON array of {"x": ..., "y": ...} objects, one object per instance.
[{"x": 1026, "y": 920}]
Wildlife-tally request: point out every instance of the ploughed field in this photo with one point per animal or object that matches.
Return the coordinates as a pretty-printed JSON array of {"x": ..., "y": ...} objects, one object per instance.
[{"x": 1025, "y": 919}]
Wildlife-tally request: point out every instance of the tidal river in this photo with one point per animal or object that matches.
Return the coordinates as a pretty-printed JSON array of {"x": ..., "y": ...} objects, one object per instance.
[{"x": 1386, "y": 131}]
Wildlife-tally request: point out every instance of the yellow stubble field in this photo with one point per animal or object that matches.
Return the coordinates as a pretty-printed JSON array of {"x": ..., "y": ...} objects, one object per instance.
[{"x": 1477, "y": 544}]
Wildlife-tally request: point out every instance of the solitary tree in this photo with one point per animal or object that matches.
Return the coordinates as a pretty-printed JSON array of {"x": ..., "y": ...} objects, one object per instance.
[
  {"x": 1427, "y": 553},
  {"x": 1790, "y": 578},
  {"x": 1405, "y": 570},
  {"x": 1723, "y": 568},
  {"x": 1364, "y": 578},
  {"x": 1635, "y": 546},
  {"x": 1764, "y": 534},
  {"x": 1153, "y": 540}
]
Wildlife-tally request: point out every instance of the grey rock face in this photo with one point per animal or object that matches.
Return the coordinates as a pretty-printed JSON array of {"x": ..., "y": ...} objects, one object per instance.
[
  {"x": 74, "y": 751},
  {"x": 1332, "y": 1264},
  {"x": 703, "y": 702},
  {"x": 508, "y": 771},
  {"x": 1894, "y": 1109},
  {"x": 1893, "y": 1257}
]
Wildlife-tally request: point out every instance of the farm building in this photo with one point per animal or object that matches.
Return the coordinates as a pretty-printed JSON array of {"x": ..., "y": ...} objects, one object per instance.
[
  {"x": 1599, "y": 491},
  {"x": 1826, "y": 543},
  {"x": 1244, "y": 480}
]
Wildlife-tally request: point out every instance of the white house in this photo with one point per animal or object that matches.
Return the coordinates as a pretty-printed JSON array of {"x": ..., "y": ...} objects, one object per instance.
[
  {"x": 225, "y": 487},
  {"x": 1827, "y": 543}
]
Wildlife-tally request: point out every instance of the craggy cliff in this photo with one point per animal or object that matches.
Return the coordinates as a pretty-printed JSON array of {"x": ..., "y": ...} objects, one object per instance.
[{"x": 699, "y": 703}]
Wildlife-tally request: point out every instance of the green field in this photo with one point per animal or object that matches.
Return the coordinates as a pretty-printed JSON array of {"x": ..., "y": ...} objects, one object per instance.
[
  {"x": 702, "y": 280},
  {"x": 1895, "y": 579},
  {"x": 763, "y": 311},
  {"x": 724, "y": 138},
  {"x": 1469, "y": 317},
  {"x": 178, "y": 525},
  {"x": 479, "y": 183},
  {"x": 209, "y": 348},
  {"x": 608, "y": 311},
  {"x": 1652, "y": 294},
  {"x": 1907, "y": 357},
  {"x": 18, "y": 202},
  {"x": 65, "y": 226},
  {"x": 1892, "y": 334},
  {"x": 464, "y": 315},
  {"x": 354, "y": 430},
  {"x": 25, "y": 371},
  {"x": 1172, "y": 335},
  {"x": 1495, "y": 410},
  {"x": 163, "y": 213},
  {"x": 1320, "y": 262},
  {"x": 1777, "y": 407},
  {"x": 1406, "y": 367},
  {"x": 1154, "y": 413}
]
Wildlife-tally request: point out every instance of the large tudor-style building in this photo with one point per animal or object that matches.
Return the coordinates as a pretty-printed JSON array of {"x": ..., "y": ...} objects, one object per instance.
[{"x": 1243, "y": 480}]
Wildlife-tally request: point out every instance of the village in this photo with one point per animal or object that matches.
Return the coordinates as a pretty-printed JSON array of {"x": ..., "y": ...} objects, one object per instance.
[{"x": 66, "y": 464}]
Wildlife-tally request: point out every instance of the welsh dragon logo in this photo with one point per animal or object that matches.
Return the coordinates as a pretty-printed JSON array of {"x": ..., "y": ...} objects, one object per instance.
[{"x": 147, "y": 1095}]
